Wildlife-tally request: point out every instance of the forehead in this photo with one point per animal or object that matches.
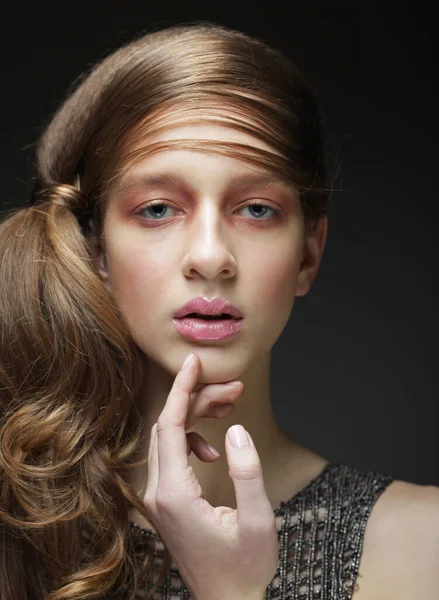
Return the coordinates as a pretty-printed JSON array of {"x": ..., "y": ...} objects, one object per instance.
[
  {"x": 211, "y": 121},
  {"x": 176, "y": 168},
  {"x": 176, "y": 135},
  {"x": 190, "y": 175},
  {"x": 204, "y": 131}
]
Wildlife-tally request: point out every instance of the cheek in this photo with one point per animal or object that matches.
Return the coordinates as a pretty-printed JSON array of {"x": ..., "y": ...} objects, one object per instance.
[
  {"x": 139, "y": 283},
  {"x": 274, "y": 282},
  {"x": 270, "y": 292}
]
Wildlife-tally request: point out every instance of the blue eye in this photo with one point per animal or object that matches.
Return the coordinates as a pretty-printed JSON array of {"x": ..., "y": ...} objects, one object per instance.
[
  {"x": 159, "y": 209},
  {"x": 264, "y": 208},
  {"x": 155, "y": 206}
]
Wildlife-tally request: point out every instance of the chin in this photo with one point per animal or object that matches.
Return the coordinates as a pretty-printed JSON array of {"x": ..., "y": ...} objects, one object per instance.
[
  {"x": 215, "y": 375},
  {"x": 218, "y": 379}
]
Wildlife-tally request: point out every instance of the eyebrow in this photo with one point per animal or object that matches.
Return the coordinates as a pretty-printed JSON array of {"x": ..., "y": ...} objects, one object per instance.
[{"x": 171, "y": 179}]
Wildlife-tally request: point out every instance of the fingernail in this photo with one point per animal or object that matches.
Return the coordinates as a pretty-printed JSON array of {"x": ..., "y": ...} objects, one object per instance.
[
  {"x": 238, "y": 436},
  {"x": 233, "y": 383},
  {"x": 213, "y": 451},
  {"x": 188, "y": 360}
]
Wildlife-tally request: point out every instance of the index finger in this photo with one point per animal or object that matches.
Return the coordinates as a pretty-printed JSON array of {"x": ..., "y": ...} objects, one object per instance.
[{"x": 171, "y": 424}]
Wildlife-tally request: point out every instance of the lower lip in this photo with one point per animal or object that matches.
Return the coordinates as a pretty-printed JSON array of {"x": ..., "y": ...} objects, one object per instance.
[{"x": 200, "y": 329}]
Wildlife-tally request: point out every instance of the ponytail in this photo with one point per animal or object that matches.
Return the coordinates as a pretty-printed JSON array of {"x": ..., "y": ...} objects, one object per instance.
[{"x": 68, "y": 373}]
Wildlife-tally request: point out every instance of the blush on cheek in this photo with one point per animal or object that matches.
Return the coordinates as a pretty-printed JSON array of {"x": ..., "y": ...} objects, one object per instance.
[
  {"x": 140, "y": 290},
  {"x": 139, "y": 279},
  {"x": 278, "y": 279}
]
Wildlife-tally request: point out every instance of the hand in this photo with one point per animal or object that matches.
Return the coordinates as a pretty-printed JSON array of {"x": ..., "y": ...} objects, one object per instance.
[
  {"x": 220, "y": 552},
  {"x": 212, "y": 401}
]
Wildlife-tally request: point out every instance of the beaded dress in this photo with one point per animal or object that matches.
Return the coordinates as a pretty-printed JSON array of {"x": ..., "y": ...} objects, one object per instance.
[{"x": 320, "y": 534}]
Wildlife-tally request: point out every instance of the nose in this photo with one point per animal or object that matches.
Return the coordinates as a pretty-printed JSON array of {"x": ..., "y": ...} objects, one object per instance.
[{"x": 209, "y": 253}]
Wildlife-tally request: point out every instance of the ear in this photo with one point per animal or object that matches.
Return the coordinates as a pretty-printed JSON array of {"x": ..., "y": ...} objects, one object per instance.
[{"x": 312, "y": 255}]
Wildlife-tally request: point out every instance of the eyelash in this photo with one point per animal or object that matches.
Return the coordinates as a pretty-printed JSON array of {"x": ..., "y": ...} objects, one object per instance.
[{"x": 277, "y": 213}]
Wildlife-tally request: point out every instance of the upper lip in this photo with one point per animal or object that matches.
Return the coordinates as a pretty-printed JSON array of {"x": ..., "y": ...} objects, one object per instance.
[{"x": 216, "y": 306}]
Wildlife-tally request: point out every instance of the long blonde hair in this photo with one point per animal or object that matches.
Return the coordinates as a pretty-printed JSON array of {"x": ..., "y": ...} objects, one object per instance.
[{"x": 69, "y": 369}]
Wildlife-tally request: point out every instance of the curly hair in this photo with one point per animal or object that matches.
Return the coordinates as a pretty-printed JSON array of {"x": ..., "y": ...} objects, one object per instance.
[{"x": 69, "y": 369}]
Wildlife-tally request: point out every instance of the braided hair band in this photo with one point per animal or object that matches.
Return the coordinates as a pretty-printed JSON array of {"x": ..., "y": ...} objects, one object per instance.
[{"x": 66, "y": 195}]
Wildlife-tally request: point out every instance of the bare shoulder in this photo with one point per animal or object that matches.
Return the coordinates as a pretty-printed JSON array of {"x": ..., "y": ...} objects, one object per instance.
[{"x": 400, "y": 557}]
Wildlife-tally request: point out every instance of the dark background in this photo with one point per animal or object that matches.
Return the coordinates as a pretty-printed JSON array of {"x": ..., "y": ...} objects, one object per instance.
[{"x": 353, "y": 374}]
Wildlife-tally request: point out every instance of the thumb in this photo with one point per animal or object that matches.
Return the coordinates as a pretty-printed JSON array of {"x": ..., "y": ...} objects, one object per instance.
[{"x": 245, "y": 470}]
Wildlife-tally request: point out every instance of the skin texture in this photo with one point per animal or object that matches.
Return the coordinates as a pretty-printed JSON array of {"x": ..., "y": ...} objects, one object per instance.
[
  {"x": 209, "y": 242},
  {"x": 232, "y": 553},
  {"x": 400, "y": 556}
]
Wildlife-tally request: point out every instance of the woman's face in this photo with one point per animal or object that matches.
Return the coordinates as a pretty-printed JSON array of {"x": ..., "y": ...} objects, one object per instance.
[{"x": 203, "y": 238}]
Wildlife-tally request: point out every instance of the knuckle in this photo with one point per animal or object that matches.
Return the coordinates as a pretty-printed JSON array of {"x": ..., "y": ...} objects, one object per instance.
[
  {"x": 206, "y": 394},
  {"x": 161, "y": 424},
  {"x": 164, "y": 423},
  {"x": 163, "y": 500},
  {"x": 246, "y": 472},
  {"x": 220, "y": 410},
  {"x": 149, "y": 501},
  {"x": 214, "y": 393}
]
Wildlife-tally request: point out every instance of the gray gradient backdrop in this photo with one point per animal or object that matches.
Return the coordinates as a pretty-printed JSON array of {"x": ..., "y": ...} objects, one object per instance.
[{"x": 354, "y": 373}]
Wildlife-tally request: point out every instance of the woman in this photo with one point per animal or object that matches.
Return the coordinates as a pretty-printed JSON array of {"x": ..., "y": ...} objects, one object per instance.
[{"x": 180, "y": 207}]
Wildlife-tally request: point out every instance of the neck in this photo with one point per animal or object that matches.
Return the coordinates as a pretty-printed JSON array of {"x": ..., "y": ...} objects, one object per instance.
[{"x": 278, "y": 453}]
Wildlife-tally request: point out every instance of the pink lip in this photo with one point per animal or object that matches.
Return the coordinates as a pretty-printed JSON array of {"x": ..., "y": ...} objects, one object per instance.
[
  {"x": 203, "y": 306},
  {"x": 199, "y": 329}
]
